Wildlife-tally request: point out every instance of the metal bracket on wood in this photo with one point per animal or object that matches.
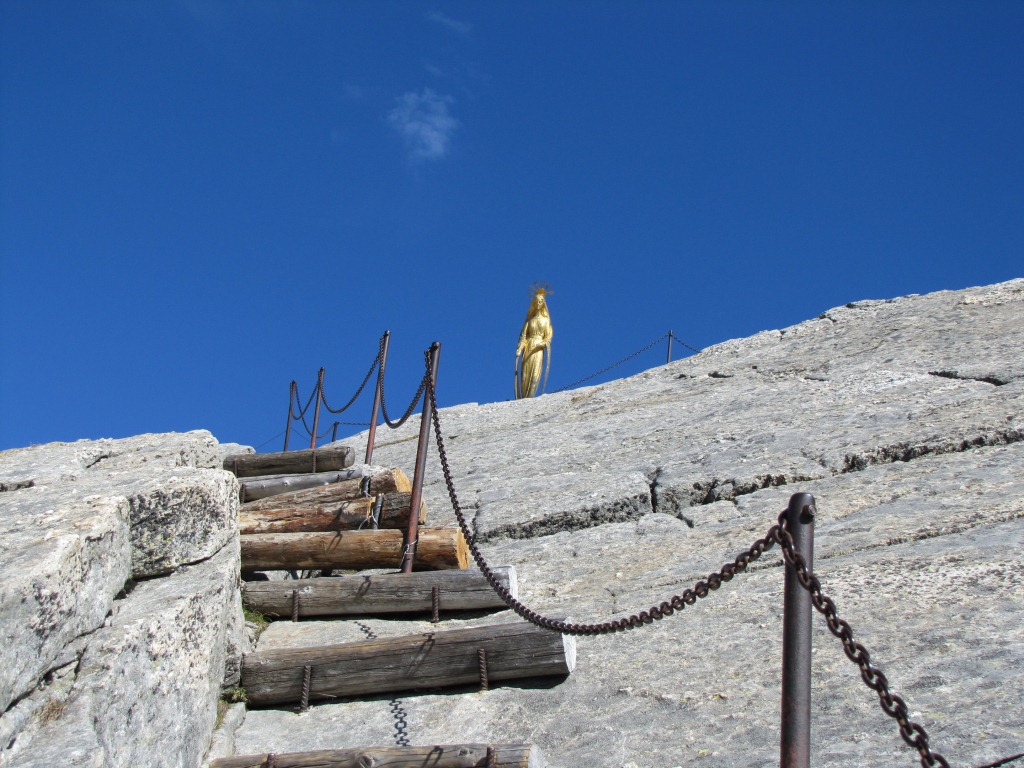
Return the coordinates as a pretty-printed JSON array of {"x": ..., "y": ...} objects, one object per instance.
[
  {"x": 307, "y": 677},
  {"x": 435, "y": 604},
  {"x": 295, "y": 604},
  {"x": 271, "y": 761},
  {"x": 378, "y": 505},
  {"x": 492, "y": 758},
  {"x": 482, "y": 660}
]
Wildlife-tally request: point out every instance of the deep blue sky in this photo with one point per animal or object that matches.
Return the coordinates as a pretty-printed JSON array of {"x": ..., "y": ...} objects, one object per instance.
[{"x": 200, "y": 201}]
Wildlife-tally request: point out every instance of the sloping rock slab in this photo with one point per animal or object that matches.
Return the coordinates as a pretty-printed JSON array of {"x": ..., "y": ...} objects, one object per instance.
[
  {"x": 924, "y": 559},
  {"x": 62, "y": 560},
  {"x": 180, "y": 516},
  {"x": 147, "y": 685},
  {"x": 43, "y": 464}
]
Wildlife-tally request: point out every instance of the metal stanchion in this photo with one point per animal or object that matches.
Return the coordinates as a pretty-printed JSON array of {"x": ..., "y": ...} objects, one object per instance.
[
  {"x": 409, "y": 553},
  {"x": 795, "y": 744},
  {"x": 318, "y": 396},
  {"x": 292, "y": 395},
  {"x": 669, "y": 360},
  {"x": 375, "y": 411}
]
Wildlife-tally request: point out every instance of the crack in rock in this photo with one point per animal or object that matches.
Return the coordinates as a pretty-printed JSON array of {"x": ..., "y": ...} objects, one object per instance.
[
  {"x": 904, "y": 451},
  {"x": 711, "y": 491},
  {"x": 97, "y": 459},
  {"x": 15, "y": 485},
  {"x": 617, "y": 511},
  {"x": 995, "y": 381}
]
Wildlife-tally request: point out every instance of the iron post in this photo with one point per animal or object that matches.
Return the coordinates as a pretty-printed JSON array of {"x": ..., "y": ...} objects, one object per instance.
[
  {"x": 292, "y": 395},
  {"x": 409, "y": 553},
  {"x": 795, "y": 743},
  {"x": 669, "y": 360},
  {"x": 375, "y": 411},
  {"x": 318, "y": 396}
]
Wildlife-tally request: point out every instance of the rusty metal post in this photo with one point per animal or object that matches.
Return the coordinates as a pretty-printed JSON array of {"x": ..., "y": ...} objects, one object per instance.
[
  {"x": 409, "y": 553},
  {"x": 669, "y": 360},
  {"x": 292, "y": 395},
  {"x": 795, "y": 743},
  {"x": 318, "y": 396},
  {"x": 375, "y": 412}
]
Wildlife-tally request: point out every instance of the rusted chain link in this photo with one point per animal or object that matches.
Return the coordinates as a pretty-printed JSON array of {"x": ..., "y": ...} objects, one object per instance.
[
  {"x": 395, "y": 705},
  {"x": 373, "y": 367},
  {"x": 894, "y": 706},
  {"x": 294, "y": 399},
  {"x": 409, "y": 410},
  {"x": 656, "y": 612},
  {"x": 614, "y": 365},
  {"x": 692, "y": 349},
  {"x": 301, "y": 415}
]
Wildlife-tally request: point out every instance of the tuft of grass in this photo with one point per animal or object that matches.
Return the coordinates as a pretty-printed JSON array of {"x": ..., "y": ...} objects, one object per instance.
[
  {"x": 235, "y": 695},
  {"x": 51, "y": 711},
  {"x": 257, "y": 619},
  {"x": 222, "y": 709}
]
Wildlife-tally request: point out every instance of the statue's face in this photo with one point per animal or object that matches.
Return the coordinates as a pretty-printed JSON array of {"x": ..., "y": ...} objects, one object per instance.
[{"x": 538, "y": 300}]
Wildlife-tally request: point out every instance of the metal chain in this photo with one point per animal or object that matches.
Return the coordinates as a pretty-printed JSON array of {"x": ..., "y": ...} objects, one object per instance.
[
  {"x": 614, "y": 365},
  {"x": 894, "y": 706},
  {"x": 409, "y": 410},
  {"x": 656, "y": 612},
  {"x": 293, "y": 398},
  {"x": 692, "y": 349},
  {"x": 397, "y": 710},
  {"x": 373, "y": 367}
]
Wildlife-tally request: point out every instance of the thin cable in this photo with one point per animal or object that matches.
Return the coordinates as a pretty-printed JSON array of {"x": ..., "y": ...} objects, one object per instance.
[{"x": 614, "y": 365}]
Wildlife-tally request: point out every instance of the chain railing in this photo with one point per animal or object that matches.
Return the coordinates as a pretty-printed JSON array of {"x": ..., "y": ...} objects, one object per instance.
[
  {"x": 319, "y": 396},
  {"x": 668, "y": 335},
  {"x": 298, "y": 412},
  {"x": 893, "y": 705}
]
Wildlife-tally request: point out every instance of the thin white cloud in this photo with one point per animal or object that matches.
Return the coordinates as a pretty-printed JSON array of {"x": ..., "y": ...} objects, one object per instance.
[
  {"x": 449, "y": 23},
  {"x": 424, "y": 122}
]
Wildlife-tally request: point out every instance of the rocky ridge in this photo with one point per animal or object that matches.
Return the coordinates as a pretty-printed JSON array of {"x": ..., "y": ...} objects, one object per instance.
[
  {"x": 903, "y": 417},
  {"x": 120, "y": 615},
  {"x": 118, "y": 561}
]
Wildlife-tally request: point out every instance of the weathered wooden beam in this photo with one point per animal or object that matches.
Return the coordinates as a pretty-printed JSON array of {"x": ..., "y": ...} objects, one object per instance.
[
  {"x": 387, "y": 481},
  {"x": 316, "y": 460},
  {"x": 346, "y": 515},
  {"x": 430, "y": 660},
  {"x": 438, "y": 549},
  {"x": 437, "y": 756},
  {"x": 374, "y": 594}
]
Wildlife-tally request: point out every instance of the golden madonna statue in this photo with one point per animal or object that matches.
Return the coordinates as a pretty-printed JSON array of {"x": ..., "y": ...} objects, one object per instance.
[{"x": 534, "y": 342}]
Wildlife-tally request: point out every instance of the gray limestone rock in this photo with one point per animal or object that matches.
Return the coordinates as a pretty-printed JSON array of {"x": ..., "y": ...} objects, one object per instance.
[
  {"x": 80, "y": 525},
  {"x": 62, "y": 560},
  {"x": 179, "y": 516},
  {"x": 147, "y": 685},
  {"x": 52, "y": 462},
  {"x": 903, "y": 417}
]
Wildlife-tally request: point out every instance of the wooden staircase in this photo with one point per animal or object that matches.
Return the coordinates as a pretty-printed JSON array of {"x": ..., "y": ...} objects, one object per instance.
[{"x": 312, "y": 511}]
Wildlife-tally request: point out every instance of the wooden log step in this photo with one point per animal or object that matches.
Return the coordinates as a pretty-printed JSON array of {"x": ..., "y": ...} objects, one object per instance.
[
  {"x": 388, "y": 481},
  {"x": 437, "y": 756},
  {"x": 289, "y": 462},
  {"x": 438, "y": 549},
  {"x": 374, "y": 594},
  {"x": 430, "y": 660},
  {"x": 345, "y": 515}
]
